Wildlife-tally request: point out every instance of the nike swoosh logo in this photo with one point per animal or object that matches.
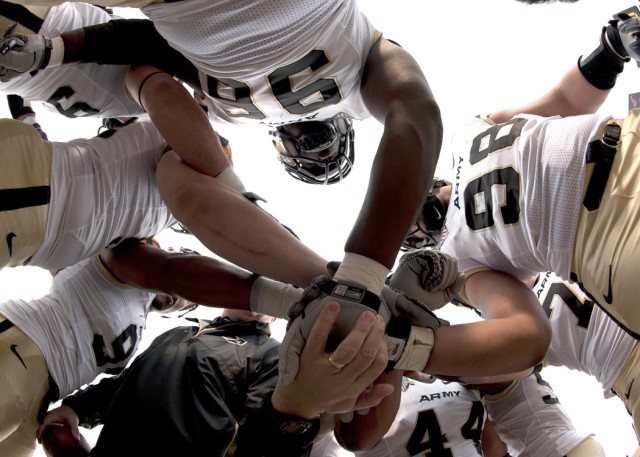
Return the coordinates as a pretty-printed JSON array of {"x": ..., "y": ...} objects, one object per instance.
[
  {"x": 438, "y": 212},
  {"x": 609, "y": 297},
  {"x": 14, "y": 349},
  {"x": 629, "y": 390},
  {"x": 10, "y": 237}
]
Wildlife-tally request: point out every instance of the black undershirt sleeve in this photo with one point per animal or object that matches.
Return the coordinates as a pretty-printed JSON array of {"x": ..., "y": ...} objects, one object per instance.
[{"x": 134, "y": 42}]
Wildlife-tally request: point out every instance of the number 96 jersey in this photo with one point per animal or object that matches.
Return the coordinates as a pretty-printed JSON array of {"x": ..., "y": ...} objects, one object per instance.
[
  {"x": 516, "y": 193},
  {"x": 272, "y": 62}
]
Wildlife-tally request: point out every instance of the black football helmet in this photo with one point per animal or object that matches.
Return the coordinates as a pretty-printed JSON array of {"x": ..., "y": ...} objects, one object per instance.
[
  {"x": 316, "y": 152},
  {"x": 426, "y": 231}
]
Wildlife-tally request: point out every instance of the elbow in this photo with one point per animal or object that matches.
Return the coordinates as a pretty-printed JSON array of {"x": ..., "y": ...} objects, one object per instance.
[{"x": 539, "y": 339}]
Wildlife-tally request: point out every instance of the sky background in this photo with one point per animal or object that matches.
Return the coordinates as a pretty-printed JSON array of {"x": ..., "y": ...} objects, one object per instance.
[{"x": 478, "y": 56}]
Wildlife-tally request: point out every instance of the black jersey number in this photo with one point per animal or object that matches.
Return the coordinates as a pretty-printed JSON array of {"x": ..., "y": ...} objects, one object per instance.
[
  {"x": 582, "y": 311},
  {"x": 478, "y": 195},
  {"x": 78, "y": 109},
  {"x": 121, "y": 347},
  {"x": 238, "y": 94},
  {"x": 428, "y": 440}
]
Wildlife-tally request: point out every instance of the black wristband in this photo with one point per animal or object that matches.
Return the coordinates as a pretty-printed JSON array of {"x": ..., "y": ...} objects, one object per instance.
[
  {"x": 396, "y": 333},
  {"x": 268, "y": 432},
  {"x": 602, "y": 67}
]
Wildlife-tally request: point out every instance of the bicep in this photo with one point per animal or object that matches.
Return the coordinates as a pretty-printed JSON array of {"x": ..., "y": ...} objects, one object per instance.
[{"x": 393, "y": 80}]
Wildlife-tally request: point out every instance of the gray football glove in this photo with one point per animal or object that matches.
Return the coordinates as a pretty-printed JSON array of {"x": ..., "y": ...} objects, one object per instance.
[
  {"x": 398, "y": 311},
  {"x": 629, "y": 30},
  {"x": 20, "y": 54},
  {"x": 429, "y": 276},
  {"x": 353, "y": 300}
]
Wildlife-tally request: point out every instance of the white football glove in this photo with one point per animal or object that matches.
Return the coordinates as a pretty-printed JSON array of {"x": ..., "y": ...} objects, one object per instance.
[
  {"x": 20, "y": 54},
  {"x": 427, "y": 275}
]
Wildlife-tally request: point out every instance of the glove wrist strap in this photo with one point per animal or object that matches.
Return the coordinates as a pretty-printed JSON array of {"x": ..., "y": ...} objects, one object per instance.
[{"x": 351, "y": 292}]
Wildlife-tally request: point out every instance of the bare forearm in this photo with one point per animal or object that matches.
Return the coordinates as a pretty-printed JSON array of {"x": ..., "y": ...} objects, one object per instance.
[
  {"x": 400, "y": 177},
  {"x": 219, "y": 217},
  {"x": 572, "y": 96},
  {"x": 397, "y": 94},
  {"x": 488, "y": 348},
  {"x": 514, "y": 336},
  {"x": 365, "y": 431}
]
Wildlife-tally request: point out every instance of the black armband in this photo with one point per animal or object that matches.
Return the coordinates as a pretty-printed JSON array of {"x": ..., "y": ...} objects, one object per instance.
[{"x": 270, "y": 433}]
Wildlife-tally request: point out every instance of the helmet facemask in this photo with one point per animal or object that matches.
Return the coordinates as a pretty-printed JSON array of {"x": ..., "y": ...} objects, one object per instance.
[{"x": 322, "y": 154}]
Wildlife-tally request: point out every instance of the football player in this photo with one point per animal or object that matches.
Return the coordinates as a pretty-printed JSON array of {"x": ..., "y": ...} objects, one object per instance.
[
  {"x": 530, "y": 420},
  {"x": 448, "y": 418},
  {"x": 65, "y": 202},
  {"x": 89, "y": 323},
  {"x": 535, "y": 193},
  {"x": 320, "y": 61},
  {"x": 203, "y": 390},
  {"x": 586, "y": 339},
  {"x": 73, "y": 90}
]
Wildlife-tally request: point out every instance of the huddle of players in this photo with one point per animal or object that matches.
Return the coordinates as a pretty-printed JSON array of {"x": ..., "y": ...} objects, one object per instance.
[{"x": 52, "y": 100}]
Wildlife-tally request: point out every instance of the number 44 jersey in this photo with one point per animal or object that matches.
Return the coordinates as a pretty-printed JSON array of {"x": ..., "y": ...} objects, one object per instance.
[{"x": 434, "y": 418}]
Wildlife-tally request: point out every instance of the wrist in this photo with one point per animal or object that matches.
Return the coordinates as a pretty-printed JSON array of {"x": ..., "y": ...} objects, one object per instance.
[
  {"x": 286, "y": 409},
  {"x": 361, "y": 270},
  {"x": 297, "y": 430},
  {"x": 410, "y": 349}
]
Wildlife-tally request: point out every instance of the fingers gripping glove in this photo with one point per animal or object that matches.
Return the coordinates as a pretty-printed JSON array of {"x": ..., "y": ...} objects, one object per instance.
[
  {"x": 353, "y": 299},
  {"x": 21, "y": 54},
  {"x": 427, "y": 275}
]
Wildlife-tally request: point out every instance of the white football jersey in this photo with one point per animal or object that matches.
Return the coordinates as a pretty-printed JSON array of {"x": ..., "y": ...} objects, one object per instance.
[
  {"x": 89, "y": 323},
  {"x": 77, "y": 90},
  {"x": 102, "y": 191},
  {"x": 517, "y": 193},
  {"x": 435, "y": 418},
  {"x": 585, "y": 338},
  {"x": 531, "y": 421},
  {"x": 272, "y": 62}
]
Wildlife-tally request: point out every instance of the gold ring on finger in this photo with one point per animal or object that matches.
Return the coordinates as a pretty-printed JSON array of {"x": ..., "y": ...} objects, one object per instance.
[{"x": 335, "y": 363}]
